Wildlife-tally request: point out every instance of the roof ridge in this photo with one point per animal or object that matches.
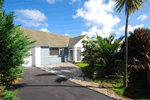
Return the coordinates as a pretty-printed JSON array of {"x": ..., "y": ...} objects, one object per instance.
[
  {"x": 80, "y": 36},
  {"x": 48, "y": 32}
]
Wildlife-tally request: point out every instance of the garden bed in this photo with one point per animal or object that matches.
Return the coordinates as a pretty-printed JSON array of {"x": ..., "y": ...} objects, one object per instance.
[{"x": 137, "y": 88}]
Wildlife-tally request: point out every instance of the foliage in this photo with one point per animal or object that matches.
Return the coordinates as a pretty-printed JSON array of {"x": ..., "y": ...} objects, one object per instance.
[
  {"x": 139, "y": 49},
  {"x": 139, "y": 46},
  {"x": 14, "y": 47},
  {"x": 131, "y": 6},
  {"x": 137, "y": 86},
  {"x": 103, "y": 51},
  {"x": 90, "y": 52},
  {"x": 106, "y": 52},
  {"x": 9, "y": 95},
  {"x": 86, "y": 69}
]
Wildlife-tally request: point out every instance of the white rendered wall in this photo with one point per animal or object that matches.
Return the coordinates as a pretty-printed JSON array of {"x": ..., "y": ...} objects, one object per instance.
[
  {"x": 28, "y": 61},
  {"x": 74, "y": 54},
  {"x": 79, "y": 44},
  {"x": 33, "y": 56},
  {"x": 37, "y": 56},
  {"x": 82, "y": 49}
]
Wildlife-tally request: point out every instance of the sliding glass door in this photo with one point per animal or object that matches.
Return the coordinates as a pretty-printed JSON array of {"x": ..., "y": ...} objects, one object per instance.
[
  {"x": 78, "y": 53},
  {"x": 71, "y": 54}
]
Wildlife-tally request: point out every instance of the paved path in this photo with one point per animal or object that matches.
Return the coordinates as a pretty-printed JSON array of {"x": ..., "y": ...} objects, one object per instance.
[{"x": 42, "y": 85}]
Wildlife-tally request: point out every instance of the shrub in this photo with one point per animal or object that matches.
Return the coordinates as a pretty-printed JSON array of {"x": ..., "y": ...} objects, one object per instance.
[
  {"x": 106, "y": 52},
  {"x": 8, "y": 95},
  {"x": 90, "y": 52},
  {"x": 14, "y": 47},
  {"x": 138, "y": 48}
]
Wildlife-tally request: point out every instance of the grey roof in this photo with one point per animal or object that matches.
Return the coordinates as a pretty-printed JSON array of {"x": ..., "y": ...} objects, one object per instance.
[
  {"x": 50, "y": 39},
  {"x": 73, "y": 41}
]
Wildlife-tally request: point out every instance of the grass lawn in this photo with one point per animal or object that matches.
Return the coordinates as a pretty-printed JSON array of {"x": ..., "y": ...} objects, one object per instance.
[
  {"x": 137, "y": 87},
  {"x": 87, "y": 71}
]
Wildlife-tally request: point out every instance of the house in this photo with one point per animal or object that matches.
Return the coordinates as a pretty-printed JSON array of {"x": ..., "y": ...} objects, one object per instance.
[{"x": 53, "y": 48}]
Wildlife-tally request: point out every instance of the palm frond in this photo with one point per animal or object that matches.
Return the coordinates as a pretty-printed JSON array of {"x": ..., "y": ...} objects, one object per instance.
[
  {"x": 131, "y": 6},
  {"x": 120, "y": 39},
  {"x": 119, "y": 4}
]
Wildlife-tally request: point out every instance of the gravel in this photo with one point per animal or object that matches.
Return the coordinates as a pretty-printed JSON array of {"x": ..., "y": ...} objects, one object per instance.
[{"x": 69, "y": 72}]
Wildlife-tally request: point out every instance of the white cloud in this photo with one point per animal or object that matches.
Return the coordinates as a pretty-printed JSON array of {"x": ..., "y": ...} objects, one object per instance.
[
  {"x": 142, "y": 17},
  {"x": 66, "y": 34},
  {"x": 33, "y": 14},
  {"x": 73, "y": 1},
  {"x": 92, "y": 32},
  {"x": 31, "y": 17},
  {"x": 52, "y": 1},
  {"x": 45, "y": 24},
  {"x": 131, "y": 28},
  {"x": 97, "y": 13},
  {"x": 117, "y": 32},
  {"x": 29, "y": 23},
  {"x": 44, "y": 30}
]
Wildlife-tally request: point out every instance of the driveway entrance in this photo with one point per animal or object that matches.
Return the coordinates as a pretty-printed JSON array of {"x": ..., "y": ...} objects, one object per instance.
[{"x": 42, "y": 85}]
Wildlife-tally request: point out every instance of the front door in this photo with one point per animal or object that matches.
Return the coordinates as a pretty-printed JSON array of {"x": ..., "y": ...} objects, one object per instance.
[{"x": 71, "y": 55}]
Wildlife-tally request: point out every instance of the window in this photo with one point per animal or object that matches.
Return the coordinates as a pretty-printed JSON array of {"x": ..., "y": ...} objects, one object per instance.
[
  {"x": 60, "y": 51},
  {"x": 55, "y": 51}
]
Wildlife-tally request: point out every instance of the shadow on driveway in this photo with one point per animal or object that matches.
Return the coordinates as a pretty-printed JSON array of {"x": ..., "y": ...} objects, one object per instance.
[
  {"x": 48, "y": 86},
  {"x": 21, "y": 85},
  {"x": 46, "y": 74}
]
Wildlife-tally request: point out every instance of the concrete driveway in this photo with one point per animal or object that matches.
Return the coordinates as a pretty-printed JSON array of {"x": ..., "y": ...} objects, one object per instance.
[
  {"x": 66, "y": 69},
  {"x": 42, "y": 85}
]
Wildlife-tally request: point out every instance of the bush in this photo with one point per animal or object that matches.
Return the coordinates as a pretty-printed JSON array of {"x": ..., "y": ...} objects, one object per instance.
[
  {"x": 90, "y": 52},
  {"x": 117, "y": 68},
  {"x": 14, "y": 47},
  {"x": 106, "y": 52},
  {"x": 137, "y": 85},
  {"x": 8, "y": 95}
]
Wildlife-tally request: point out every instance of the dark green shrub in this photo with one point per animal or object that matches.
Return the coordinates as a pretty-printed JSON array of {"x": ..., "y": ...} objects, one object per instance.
[
  {"x": 106, "y": 52},
  {"x": 90, "y": 52},
  {"x": 9, "y": 95},
  {"x": 14, "y": 47},
  {"x": 116, "y": 68},
  {"x": 139, "y": 48}
]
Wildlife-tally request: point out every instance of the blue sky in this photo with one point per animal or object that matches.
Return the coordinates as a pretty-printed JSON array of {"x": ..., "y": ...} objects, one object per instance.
[{"x": 75, "y": 17}]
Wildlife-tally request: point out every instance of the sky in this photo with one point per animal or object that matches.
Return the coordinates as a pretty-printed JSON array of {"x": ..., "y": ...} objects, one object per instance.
[{"x": 76, "y": 17}]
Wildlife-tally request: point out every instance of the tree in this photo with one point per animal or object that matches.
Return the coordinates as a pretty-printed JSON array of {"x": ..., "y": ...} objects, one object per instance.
[
  {"x": 90, "y": 51},
  {"x": 14, "y": 47},
  {"x": 106, "y": 51},
  {"x": 139, "y": 48},
  {"x": 130, "y": 7}
]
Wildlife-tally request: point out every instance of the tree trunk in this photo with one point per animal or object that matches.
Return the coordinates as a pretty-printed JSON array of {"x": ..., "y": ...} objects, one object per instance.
[
  {"x": 147, "y": 68},
  {"x": 148, "y": 76},
  {"x": 126, "y": 51}
]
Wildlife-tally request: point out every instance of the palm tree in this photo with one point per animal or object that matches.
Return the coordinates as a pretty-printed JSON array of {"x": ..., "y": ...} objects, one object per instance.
[{"x": 130, "y": 7}]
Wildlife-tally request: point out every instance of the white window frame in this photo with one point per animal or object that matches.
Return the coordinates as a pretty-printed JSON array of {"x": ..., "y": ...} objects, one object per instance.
[
  {"x": 69, "y": 54},
  {"x": 59, "y": 51},
  {"x": 55, "y": 55}
]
